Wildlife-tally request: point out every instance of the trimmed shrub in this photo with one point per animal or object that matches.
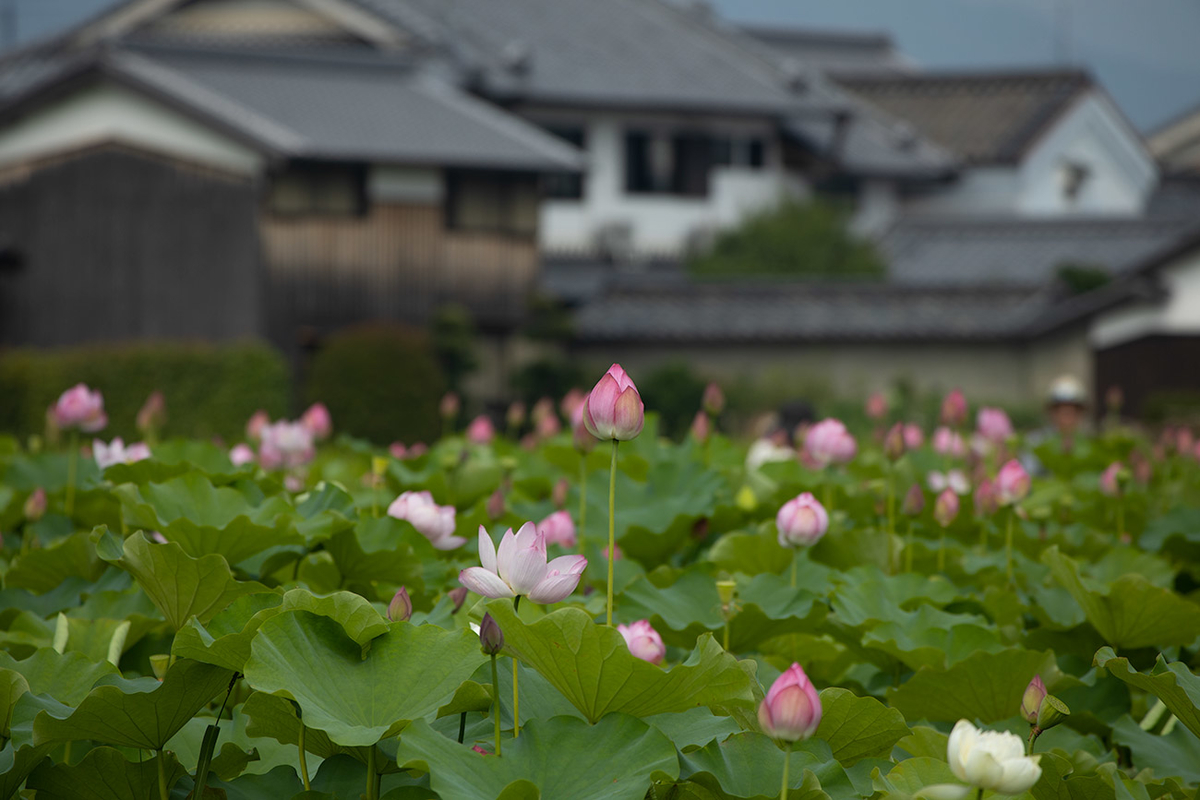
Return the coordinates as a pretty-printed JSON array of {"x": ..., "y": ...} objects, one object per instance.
[
  {"x": 381, "y": 382},
  {"x": 675, "y": 392},
  {"x": 211, "y": 390}
]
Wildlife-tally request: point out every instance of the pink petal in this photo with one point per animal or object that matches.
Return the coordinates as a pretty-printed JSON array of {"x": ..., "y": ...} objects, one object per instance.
[
  {"x": 629, "y": 415},
  {"x": 448, "y": 542},
  {"x": 487, "y": 551},
  {"x": 567, "y": 565},
  {"x": 554, "y": 588},
  {"x": 485, "y": 583},
  {"x": 527, "y": 569},
  {"x": 505, "y": 553}
]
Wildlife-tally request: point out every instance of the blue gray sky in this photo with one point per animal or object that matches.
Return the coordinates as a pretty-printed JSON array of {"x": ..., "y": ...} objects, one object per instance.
[{"x": 1145, "y": 52}]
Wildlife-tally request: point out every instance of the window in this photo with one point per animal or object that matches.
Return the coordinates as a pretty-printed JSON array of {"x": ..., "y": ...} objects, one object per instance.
[
  {"x": 492, "y": 202},
  {"x": 738, "y": 151},
  {"x": 1074, "y": 176},
  {"x": 657, "y": 163},
  {"x": 567, "y": 186},
  {"x": 319, "y": 189}
]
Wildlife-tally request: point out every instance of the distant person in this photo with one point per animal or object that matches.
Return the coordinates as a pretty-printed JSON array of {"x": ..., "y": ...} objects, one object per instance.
[{"x": 1066, "y": 410}]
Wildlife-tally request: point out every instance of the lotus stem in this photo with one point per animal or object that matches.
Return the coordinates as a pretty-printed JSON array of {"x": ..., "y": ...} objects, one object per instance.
[
  {"x": 727, "y": 621},
  {"x": 371, "y": 793},
  {"x": 164, "y": 791},
  {"x": 612, "y": 526},
  {"x": 1120, "y": 514},
  {"x": 72, "y": 467},
  {"x": 496, "y": 702},
  {"x": 303, "y": 761},
  {"x": 787, "y": 762},
  {"x": 462, "y": 727},
  {"x": 1008, "y": 545},
  {"x": 516, "y": 696},
  {"x": 795, "y": 559},
  {"x": 891, "y": 519},
  {"x": 908, "y": 549},
  {"x": 582, "y": 502},
  {"x": 941, "y": 556},
  {"x": 1033, "y": 734}
]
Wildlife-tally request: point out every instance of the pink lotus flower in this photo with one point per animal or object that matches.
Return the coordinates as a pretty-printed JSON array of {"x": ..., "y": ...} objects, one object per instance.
[
  {"x": 449, "y": 405},
  {"x": 548, "y": 427},
  {"x": 35, "y": 505},
  {"x": 481, "y": 430},
  {"x": 948, "y": 443},
  {"x": 828, "y": 442},
  {"x": 993, "y": 424},
  {"x": 558, "y": 528},
  {"x": 80, "y": 407},
  {"x": 893, "y": 443},
  {"x": 954, "y": 409},
  {"x": 285, "y": 445},
  {"x": 791, "y": 710},
  {"x": 945, "y": 509},
  {"x": 701, "y": 427},
  {"x": 241, "y": 455},
  {"x": 914, "y": 437},
  {"x": 558, "y": 495},
  {"x": 643, "y": 641},
  {"x": 987, "y": 500},
  {"x": 515, "y": 417},
  {"x": 801, "y": 521},
  {"x": 914, "y": 501},
  {"x": 877, "y": 406},
  {"x": 257, "y": 423},
  {"x": 616, "y": 549},
  {"x": 519, "y": 568},
  {"x": 713, "y": 401},
  {"x": 1184, "y": 441},
  {"x": 398, "y": 451},
  {"x": 571, "y": 402},
  {"x": 954, "y": 480},
  {"x": 117, "y": 453},
  {"x": 417, "y": 449},
  {"x": 495, "y": 505},
  {"x": 153, "y": 413},
  {"x": 1031, "y": 701},
  {"x": 1110, "y": 483},
  {"x": 400, "y": 609},
  {"x": 1012, "y": 484},
  {"x": 614, "y": 409},
  {"x": 318, "y": 422},
  {"x": 436, "y": 523}
]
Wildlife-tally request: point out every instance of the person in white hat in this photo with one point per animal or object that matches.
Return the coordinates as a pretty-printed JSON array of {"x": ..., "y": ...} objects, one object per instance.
[{"x": 1066, "y": 404}]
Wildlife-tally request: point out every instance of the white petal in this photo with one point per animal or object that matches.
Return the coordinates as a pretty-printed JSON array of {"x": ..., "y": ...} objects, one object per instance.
[
  {"x": 487, "y": 551},
  {"x": 480, "y": 581}
]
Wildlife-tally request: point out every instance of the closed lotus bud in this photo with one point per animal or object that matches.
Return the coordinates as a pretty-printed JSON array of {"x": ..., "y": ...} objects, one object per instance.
[
  {"x": 801, "y": 521},
  {"x": 559, "y": 494},
  {"x": 987, "y": 501},
  {"x": 828, "y": 442},
  {"x": 543, "y": 410},
  {"x": 1012, "y": 483},
  {"x": 80, "y": 408},
  {"x": 159, "y": 662},
  {"x": 398, "y": 451},
  {"x": 914, "y": 501},
  {"x": 1035, "y": 693},
  {"x": 491, "y": 640},
  {"x": 558, "y": 528},
  {"x": 714, "y": 400},
  {"x": 317, "y": 421},
  {"x": 257, "y": 423},
  {"x": 725, "y": 591},
  {"x": 877, "y": 406},
  {"x": 947, "y": 442},
  {"x": 1110, "y": 479},
  {"x": 993, "y": 425},
  {"x": 449, "y": 406},
  {"x": 152, "y": 414},
  {"x": 791, "y": 710},
  {"x": 701, "y": 427},
  {"x": 571, "y": 403},
  {"x": 400, "y": 609},
  {"x": 481, "y": 430},
  {"x": 516, "y": 415},
  {"x": 35, "y": 505},
  {"x": 614, "y": 409},
  {"x": 643, "y": 641},
  {"x": 913, "y": 436},
  {"x": 893, "y": 443},
  {"x": 458, "y": 597},
  {"x": 945, "y": 509},
  {"x": 495, "y": 505},
  {"x": 1051, "y": 712},
  {"x": 954, "y": 409}
]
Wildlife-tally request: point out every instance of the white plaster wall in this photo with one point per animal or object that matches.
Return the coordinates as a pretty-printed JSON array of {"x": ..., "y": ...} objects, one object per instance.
[
  {"x": 878, "y": 207},
  {"x": 978, "y": 191},
  {"x": 1179, "y": 314},
  {"x": 661, "y": 224},
  {"x": 110, "y": 113}
]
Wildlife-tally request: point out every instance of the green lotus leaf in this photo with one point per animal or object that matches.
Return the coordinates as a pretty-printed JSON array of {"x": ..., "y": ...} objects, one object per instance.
[
  {"x": 1130, "y": 612},
  {"x": 12, "y": 686},
  {"x": 228, "y": 762},
  {"x": 618, "y": 757},
  {"x": 45, "y": 570},
  {"x": 750, "y": 553},
  {"x": 105, "y": 774},
  {"x": 869, "y": 598},
  {"x": 275, "y": 717},
  {"x": 695, "y": 727},
  {"x": 749, "y": 765},
  {"x": 592, "y": 667},
  {"x": 471, "y": 696},
  {"x": 1175, "y": 755},
  {"x": 912, "y": 775},
  {"x": 985, "y": 686},
  {"x": 323, "y": 512},
  {"x": 179, "y": 585},
  {"x": 409, "y": 672},
  {"x": 225, "y": 640},
  {"x": 16, "y": 762},
  {"x": 143, "y": 714},
  {"x": 49, "y": 471},
  {"x": 1175, "y": 684},
  {"x": 67, "y": 677},
  {"x": 933, "y": 638},
  {"x": 858, "y": 727},
  {"x": 372, "y": 552}
]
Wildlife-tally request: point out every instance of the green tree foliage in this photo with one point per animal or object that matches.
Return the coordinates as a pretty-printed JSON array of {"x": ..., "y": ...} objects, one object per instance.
[
  {"x": 453, "y": 334},
  {"x": 797, "y": 240}
]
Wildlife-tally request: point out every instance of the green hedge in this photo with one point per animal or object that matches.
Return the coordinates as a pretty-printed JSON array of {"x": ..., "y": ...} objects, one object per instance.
[
  {"x": 380, "y": 382},
  {"x": 210, "y": 390}
]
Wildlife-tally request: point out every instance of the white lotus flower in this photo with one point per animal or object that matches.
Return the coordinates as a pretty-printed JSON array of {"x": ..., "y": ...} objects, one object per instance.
[
  {"x": 993, "y": 760},
  {"x": 519, "y": 568}
]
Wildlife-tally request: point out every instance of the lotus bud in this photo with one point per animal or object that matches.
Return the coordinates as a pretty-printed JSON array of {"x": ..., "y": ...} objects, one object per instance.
[
  {"x": 987, "y": 501},
  {"x": 480, "y": 750},
  {"x": 993, "y": 425},
  {"x": 257, "y": 423},
  {"x": 417, "y": 449},
  {"x": 516, "y": 415},
  {"x": 400, "y": 609},
  {"x": 457, "y": 596},
  {"x": 1012, "y": 483},
  {"x": 35, "y": 505},
  {"x": 449, "y": 406},
  {"x": 571, "y": 403},
  {"x": 725, "y": 591},
  {"x": 317, "y": 421},
  {"x": 543, "y": 410},
  {"x": 643, "y": 641},
  {"x": 701, "y": 427},
  {"x": 948, "y": 442},
  {"x": 791, "y": 710},
  {"x": 801, "y": 521},
  {"x": 877, "y": 406},
  {"x": 746, "y": 499},
  {"x": 614, "y": 409},
  {"x": 1052, "y": 712},
  {"x": 914, "y": 501},
  {"x": 495, "y": 505},
  {"x": 242, "y": 454},
  {"x": 945, "y": 509},
  {"x": 558, "y": 528},
  {"x": 913, "y": 436},
  {"x": 893, "y": 443},
  {"x": 954, "y": 409},
  {"x": 1035, "y": 693},
  {"x": 1113, "y": 479},
  {"x": 159, "y": 662},
  {"x": 398, "y": 451},
  {"x": 617, "y": 554},
  {"x": 481, "y": 430},
  {"x": 828, "y": 442},
  {"x": 80, "y": 408},
  {"x": 713, "y": 402},
  {"x": 491, "y": 640},
  {"x": 559, "y": 494},
  {"x": 152, "y": 414}
]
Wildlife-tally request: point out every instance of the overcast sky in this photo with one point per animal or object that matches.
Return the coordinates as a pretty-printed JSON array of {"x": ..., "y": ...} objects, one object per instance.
[{"x": 1146, "y": 52}]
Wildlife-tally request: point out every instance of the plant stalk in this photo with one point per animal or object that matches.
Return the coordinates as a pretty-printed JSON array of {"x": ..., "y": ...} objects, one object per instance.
[
  {"x": 787, "y": 763},
  {"x": 891, "y": 519},
  {"x": 908, "y": 549},
  {"x": 72, "y": 467},
  {"x": 164, "y": 791},
  {"x": 583, "y": 503},
  {"x": 1008, "y": 545},
  {"x": 371, "y": 772},
  {"x": 462, "y": 727},
  {"x": 516, "y": 696},
  {"x": 496, "y": 702},
  {"x": 612, "y": 526},
  {"x": 303, "y": 760}
]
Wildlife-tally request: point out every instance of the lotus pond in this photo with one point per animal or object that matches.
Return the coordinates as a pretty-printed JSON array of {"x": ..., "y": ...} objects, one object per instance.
[{"x": 187, "y": 619}]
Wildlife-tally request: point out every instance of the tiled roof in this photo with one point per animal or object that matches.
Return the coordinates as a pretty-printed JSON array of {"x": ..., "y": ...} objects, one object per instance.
[
  {"x": 829, "y": 51},
  {"x": 988, "y": 117}
]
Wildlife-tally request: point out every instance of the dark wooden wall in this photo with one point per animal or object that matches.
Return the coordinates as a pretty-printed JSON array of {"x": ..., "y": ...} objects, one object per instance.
[
  {"x": 1149, "y": 367},
  {"x": 119, "y": 245}
]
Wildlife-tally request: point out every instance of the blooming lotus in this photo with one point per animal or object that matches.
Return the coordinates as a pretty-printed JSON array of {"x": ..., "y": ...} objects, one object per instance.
[
  {"x": 993, "y": 425},
  {"x": 954, "y": 479},
  {"x": 436, "y": 523},
  {"x": 241, "y": 454},
  {"x": 791, "y": 710},
  {"x": 614, "y": 409},
  {"x": 1110, "y": 479},
  {"x": 991, "y": 760},
  {"x": 914, "y": 501},
  {"x": 318, "y": 422},
  {"x": 80, "y": 407},
  {"x": 828, "y": 442},
  {"x": 117, "y": 453},
  {"x": 948, "y": 443},
  {"x": 285, "y": 445},
  {"x": 558, "y": 528},
  {"x": 954, "y": 409},
  {"x": 945, "y": 508},
  {"x": 643, "y": 641},
  {"x": 914, "y": 437},
  {"x": 519, "y": 569},
  {"x": 256, "y": 424},
  {"x": 801, "y": 521},
  {"x": 1012, "y": 483}
]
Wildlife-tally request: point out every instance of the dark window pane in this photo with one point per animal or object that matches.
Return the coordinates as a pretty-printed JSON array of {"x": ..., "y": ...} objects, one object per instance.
[{"x": 756, "y": 155}]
